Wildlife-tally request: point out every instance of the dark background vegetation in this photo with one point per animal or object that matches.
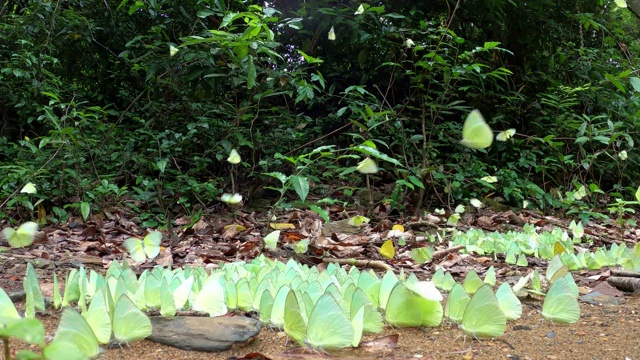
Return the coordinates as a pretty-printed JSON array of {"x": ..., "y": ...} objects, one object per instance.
[{"x": 95, "y": 111}]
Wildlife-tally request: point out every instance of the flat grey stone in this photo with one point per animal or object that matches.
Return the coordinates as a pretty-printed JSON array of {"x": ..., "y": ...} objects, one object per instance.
[{"x": 204, "y": 333}]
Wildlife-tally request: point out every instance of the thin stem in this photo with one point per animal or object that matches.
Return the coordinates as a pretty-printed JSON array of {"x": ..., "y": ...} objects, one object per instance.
[
  {"x": 233, "y": 184},
  {"x": 5, "y": 344}
]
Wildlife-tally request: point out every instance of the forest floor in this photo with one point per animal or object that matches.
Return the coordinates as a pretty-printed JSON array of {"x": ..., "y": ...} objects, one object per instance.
[{"x": 605, "y": 331}]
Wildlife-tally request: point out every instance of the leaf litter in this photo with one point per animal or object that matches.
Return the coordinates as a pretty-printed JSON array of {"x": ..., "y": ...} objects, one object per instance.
[{"x": 240, "y": 238}]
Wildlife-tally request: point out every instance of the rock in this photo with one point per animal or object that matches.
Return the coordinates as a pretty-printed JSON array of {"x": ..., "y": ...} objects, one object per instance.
[{"x": 204, "y": 333}]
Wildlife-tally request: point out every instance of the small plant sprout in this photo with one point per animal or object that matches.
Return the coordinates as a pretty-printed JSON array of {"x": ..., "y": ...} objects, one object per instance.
[
  {"x": 368, "y": 166},
  {"x": 409, "y": 43}
]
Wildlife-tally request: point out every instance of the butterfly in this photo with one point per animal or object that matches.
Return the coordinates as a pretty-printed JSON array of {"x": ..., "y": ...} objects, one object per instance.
[
  {"x": 561, "y": 304},
  {"x": 367, "y": 166},
  {"x": 476, "y": 134},
  {"x": 505, "y": 135},
  {"x": 483, "y": 316},
  {"x": 23, "y": 236},
  {"x": 149, "y": 247},
  {"x": 332, "y": 34}
]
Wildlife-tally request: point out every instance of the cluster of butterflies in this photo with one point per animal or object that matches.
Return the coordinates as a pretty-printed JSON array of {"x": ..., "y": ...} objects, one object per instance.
[
  {"x": 546, "y": 245},
  {"x": 482, "y": 313},
  {"x": 111, "y": 316},
  {"x": 322, "y": 310}
]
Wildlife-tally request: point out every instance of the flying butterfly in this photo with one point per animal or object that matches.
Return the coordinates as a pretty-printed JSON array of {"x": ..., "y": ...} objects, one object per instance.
[{"x": 476, "y": 134}]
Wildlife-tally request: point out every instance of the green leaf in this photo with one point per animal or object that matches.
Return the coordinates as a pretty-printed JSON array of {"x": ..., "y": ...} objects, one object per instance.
[
  {"x": 635, "y": 82},
  {"x": 300, "y": 185},
  {"x": 85, "y": 208},
  {"x": 26, "y": 355},
  {"x": 638, "y": 194},
  {"x": 377, "y": 154},
  {"x": 251, "y": 72},
  {"x": 278, "y": 175},
  {"x": 320, "y": 211},
  {"x": 30, "y": 331}
]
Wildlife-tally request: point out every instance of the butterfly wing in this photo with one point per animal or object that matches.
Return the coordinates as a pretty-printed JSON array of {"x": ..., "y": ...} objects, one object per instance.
[
  {"x": 97, "y": 316},
  {"x": 560, "y": 305},
  {"x": 211, "y": 298},
  {"x": 476, "y": 134},
  {"x": 135, "y": 250},
  {"x": 7, "y": 308},
  {"x": 328, "y": 326},
  {"x": 74, "y": 329},
  {"x": 25, "y": 234},
  {"x": 152, "y": 243},
  {"x": 509, "y": 302},
  {"x": 483, "y": 316},
  {"x": 294, "y": 324},
  {"x": 129, "y": 323},
  {"x": 456, "y": 303}
]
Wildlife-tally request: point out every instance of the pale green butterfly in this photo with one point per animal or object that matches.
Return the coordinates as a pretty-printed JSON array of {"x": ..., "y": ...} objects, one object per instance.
[
  {"x": 152, "y": 293},
  {"x": 476, "y": 134},
  {"x": 129, "y": 323},
  {"x": 389, "y": 280},
  {"x": 74, "y": 329},
  {"x": 472, "y": 282},
  {"x": 490, "y": 276},
  {"x": 172, "y": 50},
  {"x": 505, "y": 135},
  {"x": 271, "y": 240},
  {"x": 509, "y": 302},
  {"x": 57, "y": 300},
  {"x": 372, "y": 320},
  {"x": 328, "y": 327},
  {"x": 23, "y": 236},
  {"x": 182, "y": 292},
  {"x": 301, "y": 246},
  {"x": 560, "y": 305},
  {"x": 28, "y": 188},
  {"x": 438, "y": 278},
  {"x": 7, "y": 308},
  {"x": 34, "y": 298},
  {"x": 294, "y": 323},
  {"x": 234, "y": 157},
  {"x": 98, "y": 317},
  {"x": 456, "y": 303},
  {"x": 211, "y": 298},
  {"x": 149, "y": 247},
  {"x": 522, "y": 260},
  {"x": 167, "y": 301},
  {"x": 556, "y": 269},
  {"x": 448, "y": 282},
  {"x": 367, "y": 166},
  {"x": 231, "y": 198},
  {"x": 332, "y": 34},
  {"x": 279, "y": 304},
  {"x": 408, "y": 308},
  {"x": 357, "y": 323},
  {"x": 265, "y": 307},
  {"x": 483, "y": 316}
]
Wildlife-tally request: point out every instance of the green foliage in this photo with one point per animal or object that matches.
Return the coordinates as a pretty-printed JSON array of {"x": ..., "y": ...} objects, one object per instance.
[{"x": 144, "y": 101}]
